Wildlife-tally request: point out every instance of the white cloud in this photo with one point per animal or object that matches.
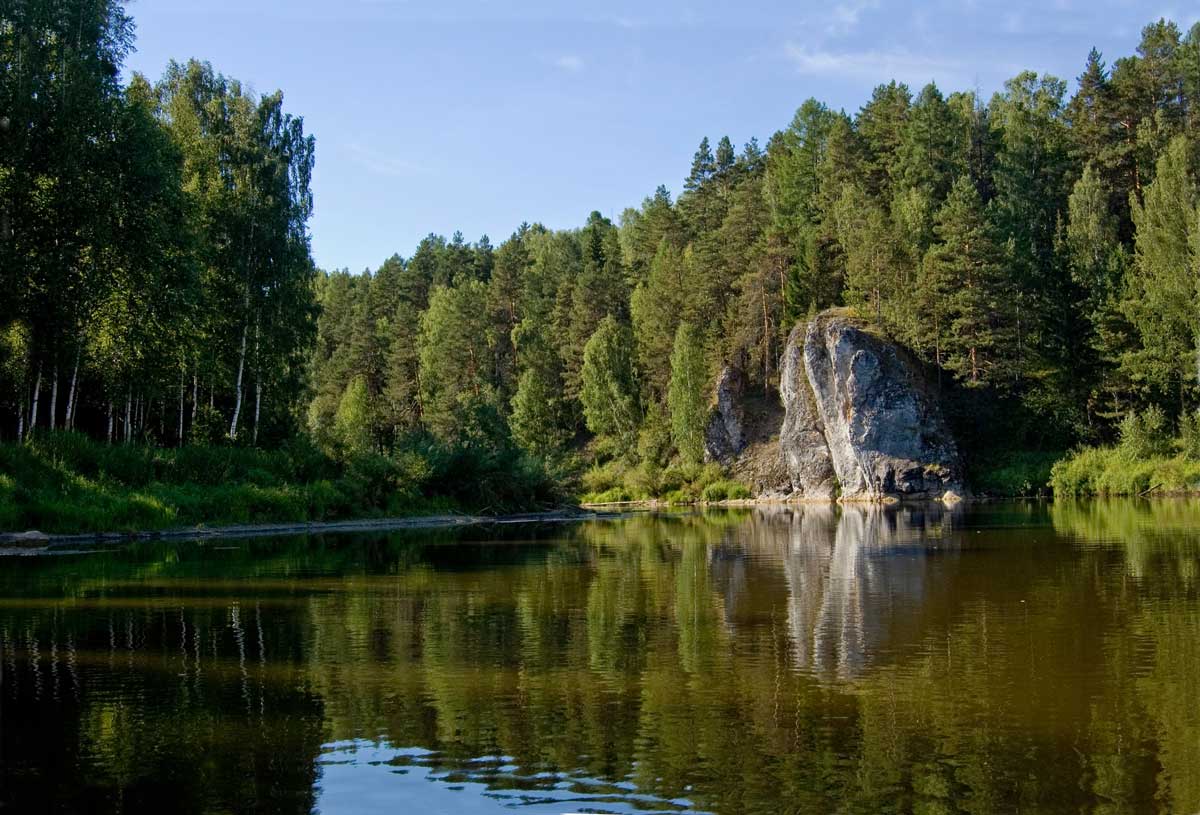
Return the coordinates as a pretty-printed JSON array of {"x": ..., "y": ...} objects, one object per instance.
[
  {"x": 572, "y": 63},
  {"x": 874, "y": 65},
  {"x": 381, "y": 163},
  {"x": 845, "y": 16}
]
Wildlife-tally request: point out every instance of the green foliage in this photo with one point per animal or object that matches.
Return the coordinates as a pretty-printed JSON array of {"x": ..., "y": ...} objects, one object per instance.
[
  {"x": 609, "y": 394},
  {"x": 1144, "y": 435},
  {"x": 208, "y": 428},
  {"x": 1017, "y": 473},
  {"x": 537, "y": 414},
  {"x": 1111, "y": 471},
  {"x": 963, "y": 293},
  {"x": 352, "y": 422},
  {"x": 724, "y": 491},
  {"x": 65, "y": 482},
  {"x": 687, "y": 394},
  {"x": 1189, "y": 435},
  {"x": 1162, "y": 301},
  {"x": 654, "y": 439},
  {"x": 455, "y": 359},
  {"x": 1037, "y": 253}
]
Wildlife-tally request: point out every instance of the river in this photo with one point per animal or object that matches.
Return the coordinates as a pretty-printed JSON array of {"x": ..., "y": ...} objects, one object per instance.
[{"x": 993, "y": 658}]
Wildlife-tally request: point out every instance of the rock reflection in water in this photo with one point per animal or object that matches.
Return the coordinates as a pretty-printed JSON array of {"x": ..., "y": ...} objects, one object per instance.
[{"x": 851, "y": 571}]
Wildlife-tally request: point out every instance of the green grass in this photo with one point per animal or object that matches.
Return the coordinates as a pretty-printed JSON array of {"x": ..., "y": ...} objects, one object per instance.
[
  {"x": 616, "y": 481},
  {"x": 66, "y": 482},
  {"x": 1117, "y": 471}
]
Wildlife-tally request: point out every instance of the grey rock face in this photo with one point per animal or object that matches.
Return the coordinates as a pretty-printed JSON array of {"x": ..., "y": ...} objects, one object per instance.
[
  {"x": 725, "y": 437},
  {"x": 802, "y": 443},
  {"x": 859, "y": 421}
]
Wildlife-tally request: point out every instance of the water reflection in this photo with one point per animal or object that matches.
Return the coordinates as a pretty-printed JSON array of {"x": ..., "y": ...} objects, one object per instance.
[
  {"x": 807, "y": 659},
  {"x": 850, "y": 574}
]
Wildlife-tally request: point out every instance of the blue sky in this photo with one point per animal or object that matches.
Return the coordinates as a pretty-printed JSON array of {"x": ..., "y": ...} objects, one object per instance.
[{"x": 478, "y": 115}]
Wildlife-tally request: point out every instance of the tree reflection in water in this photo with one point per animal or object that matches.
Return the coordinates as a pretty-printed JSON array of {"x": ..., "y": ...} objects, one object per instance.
[{"x": 799, "y": 659}]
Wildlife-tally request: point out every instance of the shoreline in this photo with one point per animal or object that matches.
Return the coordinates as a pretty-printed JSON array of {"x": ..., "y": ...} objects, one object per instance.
[{"x": 33, "y": 541}]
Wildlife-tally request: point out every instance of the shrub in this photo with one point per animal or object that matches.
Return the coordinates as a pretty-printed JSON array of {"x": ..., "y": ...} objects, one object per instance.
[
  {"x": 209, "y": 427},
  {"x": 1144, "y": 434},
  {"x": 1189, "y": 435}
]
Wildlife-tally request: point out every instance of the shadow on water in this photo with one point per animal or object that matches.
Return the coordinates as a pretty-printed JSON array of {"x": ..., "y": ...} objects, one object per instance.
[{"x": 801, "y": 659}]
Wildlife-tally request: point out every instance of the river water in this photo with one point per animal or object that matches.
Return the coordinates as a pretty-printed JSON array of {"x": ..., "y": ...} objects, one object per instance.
[{"x": 991, "y": 659}]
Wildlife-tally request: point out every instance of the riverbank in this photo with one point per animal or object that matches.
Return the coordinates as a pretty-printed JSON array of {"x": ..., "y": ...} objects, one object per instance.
[
  {"x": 37, "y": 541},
  {"x": 1118, "y": 471},
  {"x": 66, "y": 483}
]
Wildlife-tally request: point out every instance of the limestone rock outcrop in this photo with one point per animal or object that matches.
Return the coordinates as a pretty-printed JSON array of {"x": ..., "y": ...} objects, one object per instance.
[
  {"x": 802, "y": 446},
  {"x": 862, "y": 404},
  {"x": 725, "y": 436}
]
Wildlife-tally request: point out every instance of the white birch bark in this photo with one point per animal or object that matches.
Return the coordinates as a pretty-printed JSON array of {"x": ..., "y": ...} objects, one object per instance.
[
  {"x": 71, "y": 405},
  {"x": 37, "y": 392},
  {"x": 237, "y": 405},
  {"x": 54, "y": 399},
  {"x": 179, "y": 434}
]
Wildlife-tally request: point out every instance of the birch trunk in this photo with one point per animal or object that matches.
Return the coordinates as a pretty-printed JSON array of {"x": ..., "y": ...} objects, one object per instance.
[
  {"x": 195, "y": 395},
  {"x": 128, "y": 414},
  {"x": 21, "y": 421},
  {"x": 70, "y": 421},
  {"x": 110, "y": 421},
  {"x": 257, "y": 386},
  {"x": 180, "y": 432},
  {"x": 237, "y": 404},
  {"x": 257, "y": 407},
  {"x": 37, "y": 392},
  {"x": 54, "y": 399}
]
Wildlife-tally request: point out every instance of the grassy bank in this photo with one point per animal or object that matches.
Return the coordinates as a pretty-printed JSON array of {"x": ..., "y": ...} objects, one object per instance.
[
  {"x": 616, "y": 480},
  {"x": 1114, "y": 471},
  {"x": 1146, "y": 461},
  {"x": 66, "y": 482}
]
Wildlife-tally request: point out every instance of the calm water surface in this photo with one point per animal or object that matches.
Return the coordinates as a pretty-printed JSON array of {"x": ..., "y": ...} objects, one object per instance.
[{"x": 1003, "y": 658}]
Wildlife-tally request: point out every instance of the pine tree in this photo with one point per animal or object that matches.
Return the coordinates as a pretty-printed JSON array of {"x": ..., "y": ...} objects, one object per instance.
[
  {"x": 455, "y": 372},
  {"x": 881, "y": 124},
  {"x": 963, "y": 294},
  {"x": 703, "y": 167},
  {"x": 1162, "y": 303},
  {"x": 666, "y": 298},
  {"x": 930, "y": 154},
  {"x": 725, "y": 158}
]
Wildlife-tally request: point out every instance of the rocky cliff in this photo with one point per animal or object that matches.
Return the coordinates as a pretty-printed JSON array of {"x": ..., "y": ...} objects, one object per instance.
[{"x": 859, "y": 422}]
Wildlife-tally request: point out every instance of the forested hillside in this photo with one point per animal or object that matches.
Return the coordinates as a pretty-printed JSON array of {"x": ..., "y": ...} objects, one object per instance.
[{"x": 1038, "y": 250}]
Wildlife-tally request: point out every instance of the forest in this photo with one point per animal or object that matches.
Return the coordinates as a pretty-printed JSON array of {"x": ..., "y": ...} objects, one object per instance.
[{"x": 1039, "y": 251}]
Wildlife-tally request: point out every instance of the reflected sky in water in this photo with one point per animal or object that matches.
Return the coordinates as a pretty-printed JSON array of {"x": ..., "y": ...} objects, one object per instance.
[{"x": 990, "y": 658}]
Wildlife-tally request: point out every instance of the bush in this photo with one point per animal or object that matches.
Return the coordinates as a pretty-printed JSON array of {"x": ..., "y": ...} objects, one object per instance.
[
  {"x": 1189, "y": 435},
  {"x": 209, "y": 427},
  {"x": 1111, "y": 471},
  {"x": 725, "y": 491},
  {"x": 1144, "y": 435}
]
